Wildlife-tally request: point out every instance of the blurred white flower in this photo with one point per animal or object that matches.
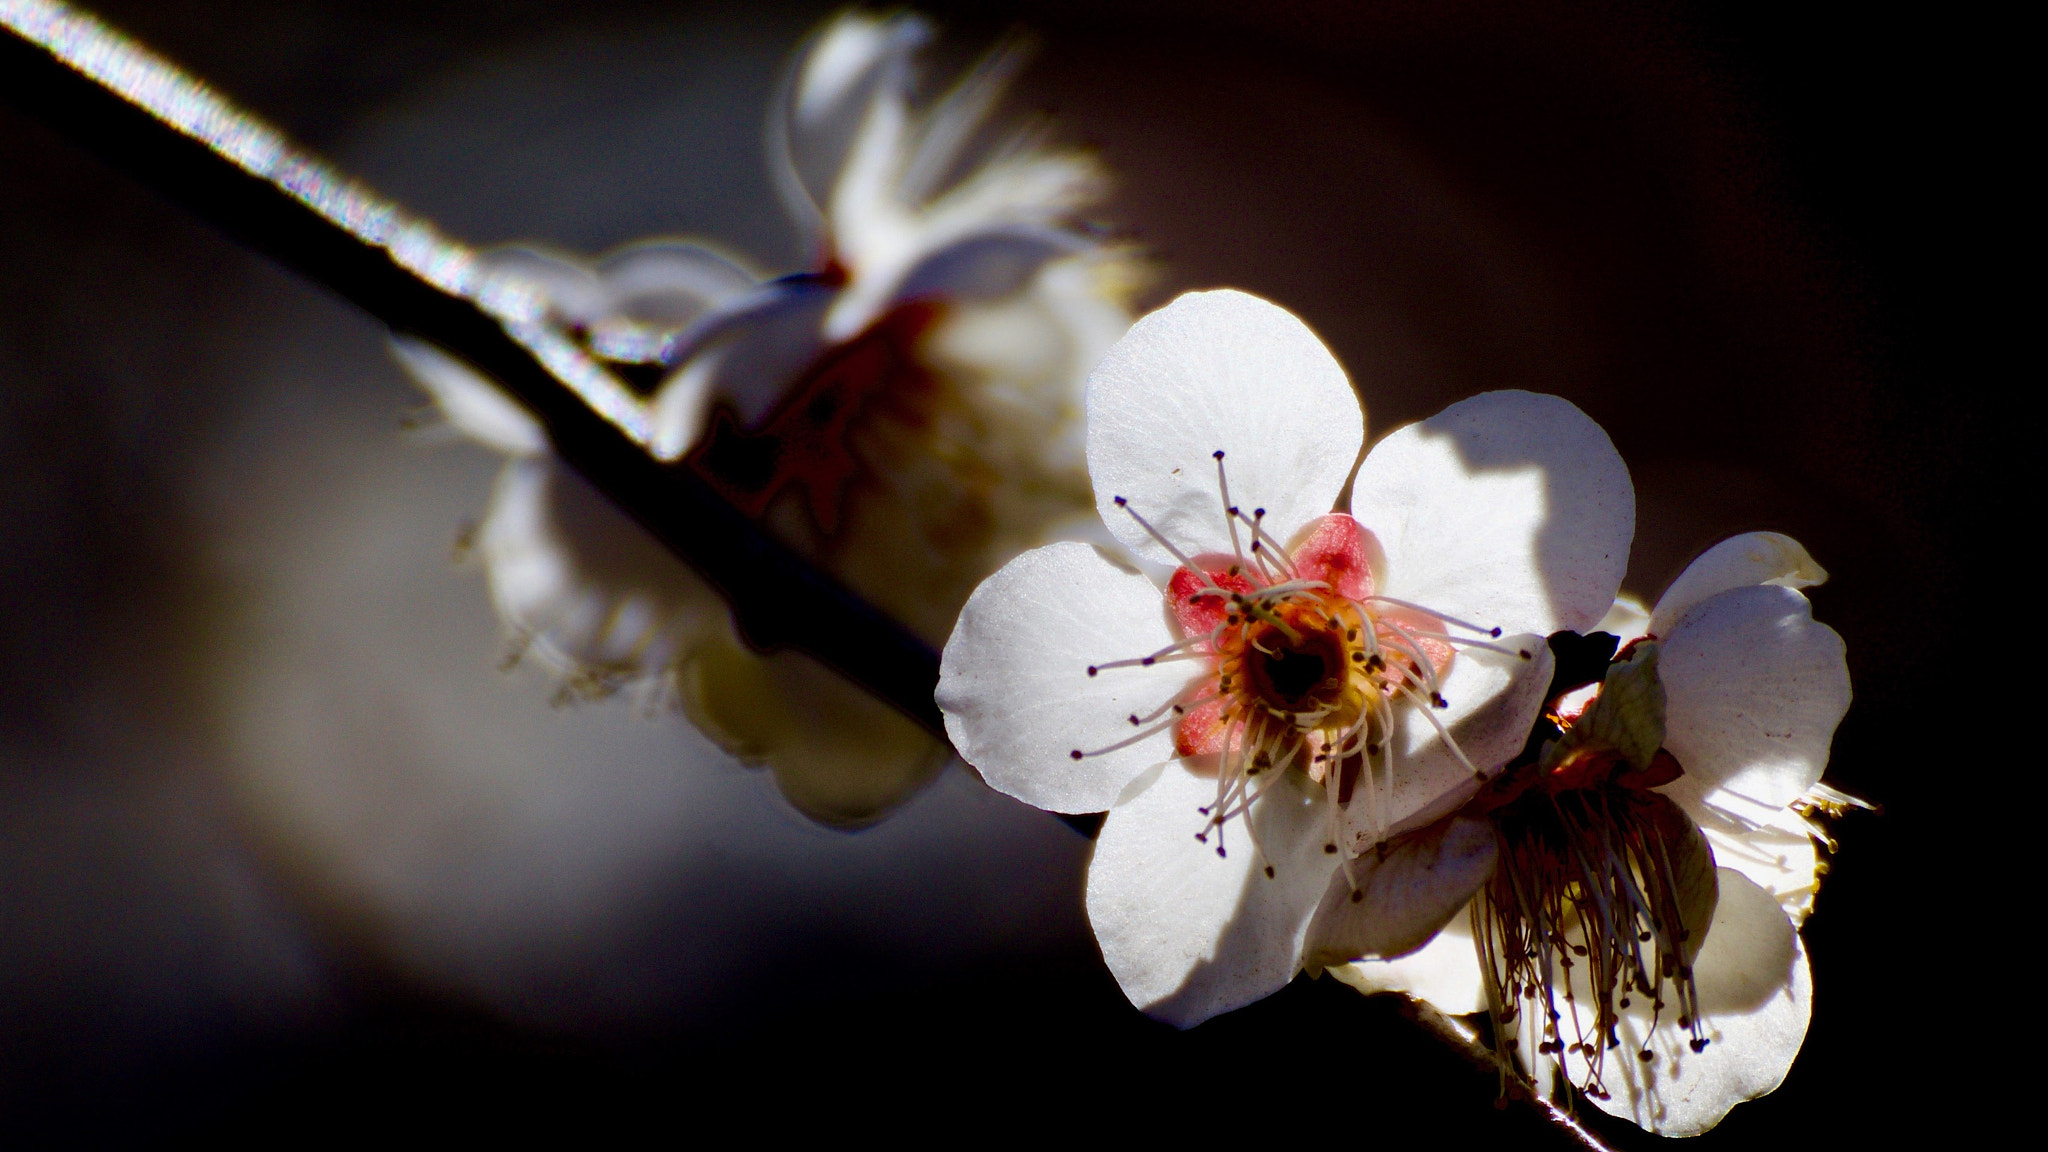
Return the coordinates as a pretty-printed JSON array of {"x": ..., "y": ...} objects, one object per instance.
[
  {"x": 1293, "y": 688},
  {"x": 907, "y": 414},
  {"x": 1640, "y": 935}
]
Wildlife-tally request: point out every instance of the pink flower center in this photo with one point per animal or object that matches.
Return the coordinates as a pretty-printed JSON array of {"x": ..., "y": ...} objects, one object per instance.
[{"x": 1305, "y": 666}]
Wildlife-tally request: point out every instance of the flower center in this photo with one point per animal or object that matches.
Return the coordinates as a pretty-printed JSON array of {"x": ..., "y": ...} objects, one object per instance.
[
  {"x": 1306, "y": 666},
  {"x": 1284, "y": 679},
  {"x": 1604, "y": 887},
  {"x": 807, "y": 443},
  {"x": 1298, "y": 664}
]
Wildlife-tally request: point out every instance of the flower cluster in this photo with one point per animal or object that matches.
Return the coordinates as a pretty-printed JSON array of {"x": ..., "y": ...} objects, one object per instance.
[
  {"x": 1293, "y": 664},
  {"x": 1360, "y": 718},
  {"x": 1639, "y": 937},
  {"x": 907, "y": 413}
]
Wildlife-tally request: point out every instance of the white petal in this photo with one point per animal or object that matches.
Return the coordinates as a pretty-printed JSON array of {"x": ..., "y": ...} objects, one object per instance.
[
  {"x": 1737, "y": 562},
  {"x": 858, "y": 63},
  {"x": 590, "y": 587},
  {"x": 1014, "y": 681},
  {"x": 1753, "y": 691},
  {"x": 1780, "y": 858},
  {"x": 654, "y": 291},
  {"x": 1189, "y": 935},
  {"x": 476, "y": 407},
  {"x": 1444, "y": 972},
  {"x": 988, "y": 263},
  {"x": 746, "y": 353},
  {"x": 1628, "y": 620},
  {"x": 1391, "y": 902},
  {"x": 1511, "y": 510},
  {"x": 1218, "y": 371},
  {"x": 1493, "y": 699},
  {"x": 1755, "y": 1001}
]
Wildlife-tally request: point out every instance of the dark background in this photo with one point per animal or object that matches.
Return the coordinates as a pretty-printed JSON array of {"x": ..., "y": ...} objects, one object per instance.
[{"x": 1736, "y": 238}]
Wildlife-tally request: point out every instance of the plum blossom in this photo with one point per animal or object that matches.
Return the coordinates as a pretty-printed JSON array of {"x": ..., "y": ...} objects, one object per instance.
[
  {"x": 1639, "y": 934},
  {"x": 1300, "y": 663},
  {"x": 907, "y": 413}
]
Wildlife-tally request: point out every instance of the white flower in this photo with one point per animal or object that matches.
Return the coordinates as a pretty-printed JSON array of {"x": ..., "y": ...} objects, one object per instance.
[
  {"x": 1687, "y": 802},
  {"x": 907, "y": 414},
  {"x": 1277, "y": 694}
]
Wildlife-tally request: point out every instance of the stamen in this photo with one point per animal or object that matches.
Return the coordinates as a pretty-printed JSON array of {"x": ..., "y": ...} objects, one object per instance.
[
  {"x": 1163, "y": 541},
  {"x": 1078, "y": 754},
  {"x": 1229, "y": 510},
  {"x": 1266, "y": 615},
  {"x": 1465, "y": 624},
  {"x": 1412, "y": 648},
  {"x": 1273, "y": 548},
  {"x": 1468, "y": 642},
  {"x": 1163, "y": 656},
  {"x": 1449, "y": 741}
]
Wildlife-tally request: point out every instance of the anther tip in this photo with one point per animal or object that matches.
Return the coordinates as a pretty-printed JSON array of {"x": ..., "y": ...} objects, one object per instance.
[
  {"x": 1258, "y": 512},
  {"x": 1496, "y": 632},
  {"x": 1357, "y": 896},
  {"x": 1092, "y": 669},
  {"x": 1075, "y": 754},
  {"x": 1219, "y": 453},
  {"x": 1119, "y": 501},
  {"x": 1525, "y": 654},
  {"x": 1269, "y": 867}
]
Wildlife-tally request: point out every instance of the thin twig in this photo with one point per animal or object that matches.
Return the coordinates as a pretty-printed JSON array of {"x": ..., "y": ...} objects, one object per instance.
[{"x": 1467, "y": 1043}]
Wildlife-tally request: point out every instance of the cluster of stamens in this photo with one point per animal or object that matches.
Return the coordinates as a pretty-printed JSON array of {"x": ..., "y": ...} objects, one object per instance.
[
  {"x": 1305, "y": 669},
  {"x": 1596, "y": 895}
]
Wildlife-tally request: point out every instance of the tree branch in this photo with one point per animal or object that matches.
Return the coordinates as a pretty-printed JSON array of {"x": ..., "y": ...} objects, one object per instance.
[{"x": 178, "y": 137}]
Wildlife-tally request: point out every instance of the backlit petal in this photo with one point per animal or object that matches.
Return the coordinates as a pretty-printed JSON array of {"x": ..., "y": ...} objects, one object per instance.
[
  {"x": 1392, "y": 901},
  {"x": 1014, "y": 681},
  {"x": 856, "y": 69},
  {"x": 476, "y": 407},
  {"x": 1187, "y": 934},
  {"x": 1753, "y": 690},
  {"x": 592, "y": 590},
  {"x": 1511, "y": 510},
  {"x": 1755, "y": 995},
  {"x": 1628, "y": 620},
  {"x": 1217, "y": 371},
  {"x": 1737, "y": 562},
  {"x": 1445, "y": 972},
  {"x": 1780, "y": 858}
]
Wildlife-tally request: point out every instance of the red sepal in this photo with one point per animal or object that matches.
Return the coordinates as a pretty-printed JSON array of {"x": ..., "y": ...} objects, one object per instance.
[{"x": 1335, "y": 552}]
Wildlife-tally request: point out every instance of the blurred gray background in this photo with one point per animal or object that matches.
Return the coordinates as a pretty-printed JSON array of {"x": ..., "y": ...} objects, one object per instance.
[{"x": 281, "y": 846}]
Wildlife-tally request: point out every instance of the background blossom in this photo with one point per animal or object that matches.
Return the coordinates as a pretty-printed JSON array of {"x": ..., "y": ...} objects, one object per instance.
[{"x": 945, "y": 336}]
